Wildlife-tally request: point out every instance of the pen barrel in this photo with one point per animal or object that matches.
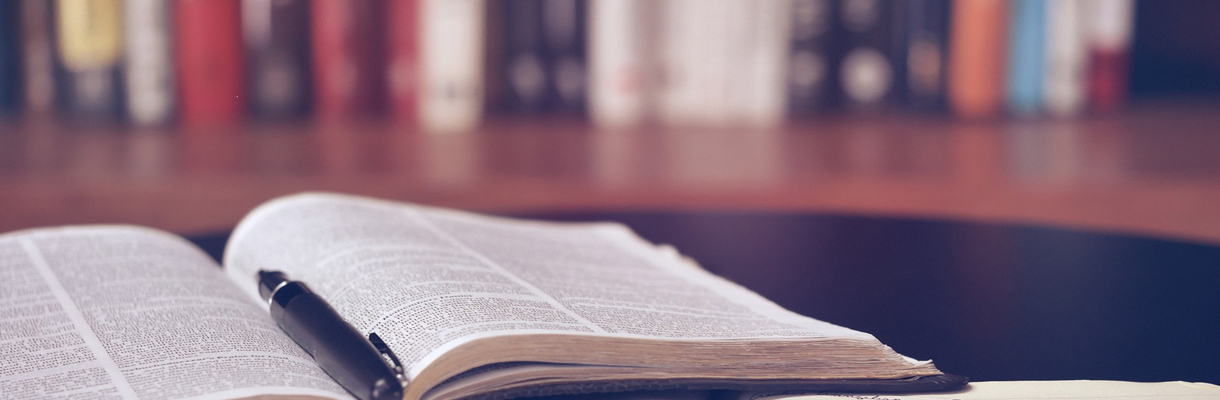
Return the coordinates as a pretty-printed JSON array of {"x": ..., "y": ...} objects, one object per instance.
[{"x": 337, "y": 347}]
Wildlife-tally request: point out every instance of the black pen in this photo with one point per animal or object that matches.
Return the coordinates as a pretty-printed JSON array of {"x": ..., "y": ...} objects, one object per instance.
[{"x": 358, "y": 364}]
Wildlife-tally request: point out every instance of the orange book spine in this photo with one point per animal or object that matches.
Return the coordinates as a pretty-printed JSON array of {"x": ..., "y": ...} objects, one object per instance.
[{"x": 977, "y": 57}]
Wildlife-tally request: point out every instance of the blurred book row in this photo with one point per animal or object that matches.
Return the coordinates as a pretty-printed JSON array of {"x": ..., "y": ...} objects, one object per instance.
[{"x": 445, "y": 64}]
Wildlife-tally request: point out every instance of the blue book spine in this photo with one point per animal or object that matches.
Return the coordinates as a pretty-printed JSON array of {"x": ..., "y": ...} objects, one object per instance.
[
  {"x": 10, "y": 76},
  {"x": 1026, "y": 49}
]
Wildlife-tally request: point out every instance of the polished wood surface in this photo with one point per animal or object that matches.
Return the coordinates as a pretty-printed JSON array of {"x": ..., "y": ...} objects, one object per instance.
[{"x": 1152, "y": 170}]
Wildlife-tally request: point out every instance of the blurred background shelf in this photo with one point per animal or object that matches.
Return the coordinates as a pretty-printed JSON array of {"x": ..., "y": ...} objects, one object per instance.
[
  {"x": 998, "y": 111},
  {"x": 1151, "y": 170}
]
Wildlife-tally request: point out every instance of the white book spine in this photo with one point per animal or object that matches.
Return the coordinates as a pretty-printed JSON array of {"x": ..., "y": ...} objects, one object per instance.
[
  {"x": 1064, "y": 84},
  {"x": 1111, "y": 23},
  {"x": 149, "y": 66},
  {"x": 758, "y": 60},
  {"x": 725, "y": 62},
  {"x": 451, "y": 52},
  {"x": 618, "y": 70},
  {"x": 693, "y": 58}
]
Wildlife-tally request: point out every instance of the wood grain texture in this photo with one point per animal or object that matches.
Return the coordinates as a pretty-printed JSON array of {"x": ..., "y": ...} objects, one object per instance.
[{"x": 1150, "y": 171}]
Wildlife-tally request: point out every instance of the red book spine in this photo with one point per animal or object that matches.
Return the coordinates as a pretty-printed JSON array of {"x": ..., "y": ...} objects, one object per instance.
[
  {"x": 209, "y": 60},
  {"x": 348, "y": 57},
  {"x": 1108, "y": 78},
  {"x": 403, "y": 73},
  {"x": 1109, "y": 52}
]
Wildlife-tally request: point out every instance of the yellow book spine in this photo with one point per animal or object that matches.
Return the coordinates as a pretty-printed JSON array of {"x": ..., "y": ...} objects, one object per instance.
[{"x": 90, "y": 33}]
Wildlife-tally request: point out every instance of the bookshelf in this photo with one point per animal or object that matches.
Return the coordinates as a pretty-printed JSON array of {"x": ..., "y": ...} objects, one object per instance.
[{"x": 1150, "y": 170}]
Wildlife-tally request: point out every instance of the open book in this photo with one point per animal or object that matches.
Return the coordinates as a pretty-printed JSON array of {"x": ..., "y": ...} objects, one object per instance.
[{"x": 474, "y": 307}]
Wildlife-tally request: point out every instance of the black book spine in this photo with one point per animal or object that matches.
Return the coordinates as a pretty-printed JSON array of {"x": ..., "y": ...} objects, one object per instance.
[
  {"x": 867, "y": 73},
  {"x": 37, "y": 58},
  {"x": 565, "y": 30},
  {"x": 10, "y": 62},
  {"x": 922, "y": 52},
  {"x": 812, "y": 61},
  {"x": 524, "y": 70},
  {"x": 543, "y": 65},
  {"x": 276, "y": 35}
]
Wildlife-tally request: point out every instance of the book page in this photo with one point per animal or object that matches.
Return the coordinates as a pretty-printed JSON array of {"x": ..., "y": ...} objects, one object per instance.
[
  {"x": 1034, "y": 390},
  {"x": 128, "y": 312},
  {"x": 425, "y": 279}
]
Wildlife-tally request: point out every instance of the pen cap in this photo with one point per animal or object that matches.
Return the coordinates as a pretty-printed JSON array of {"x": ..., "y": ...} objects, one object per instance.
[{"x": 268, "y": 281}]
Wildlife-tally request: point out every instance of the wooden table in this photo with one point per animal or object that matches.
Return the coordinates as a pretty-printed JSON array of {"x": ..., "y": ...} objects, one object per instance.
[
  {"x": 1010, "y": 249},
  {"x": 1152, "y": 171}
]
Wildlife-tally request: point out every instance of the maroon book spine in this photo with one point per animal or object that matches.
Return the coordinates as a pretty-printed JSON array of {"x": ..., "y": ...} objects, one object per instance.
[
  {"x": 210, "y": 67},
  {"x": 349, "y": 39}
]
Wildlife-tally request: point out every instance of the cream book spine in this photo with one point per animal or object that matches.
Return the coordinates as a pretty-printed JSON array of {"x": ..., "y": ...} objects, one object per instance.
[{"x": 452, "y": 41}]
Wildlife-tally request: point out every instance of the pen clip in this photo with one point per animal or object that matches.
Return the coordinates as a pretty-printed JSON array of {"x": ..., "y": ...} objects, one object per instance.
[{"x": 388, "y": 354}]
